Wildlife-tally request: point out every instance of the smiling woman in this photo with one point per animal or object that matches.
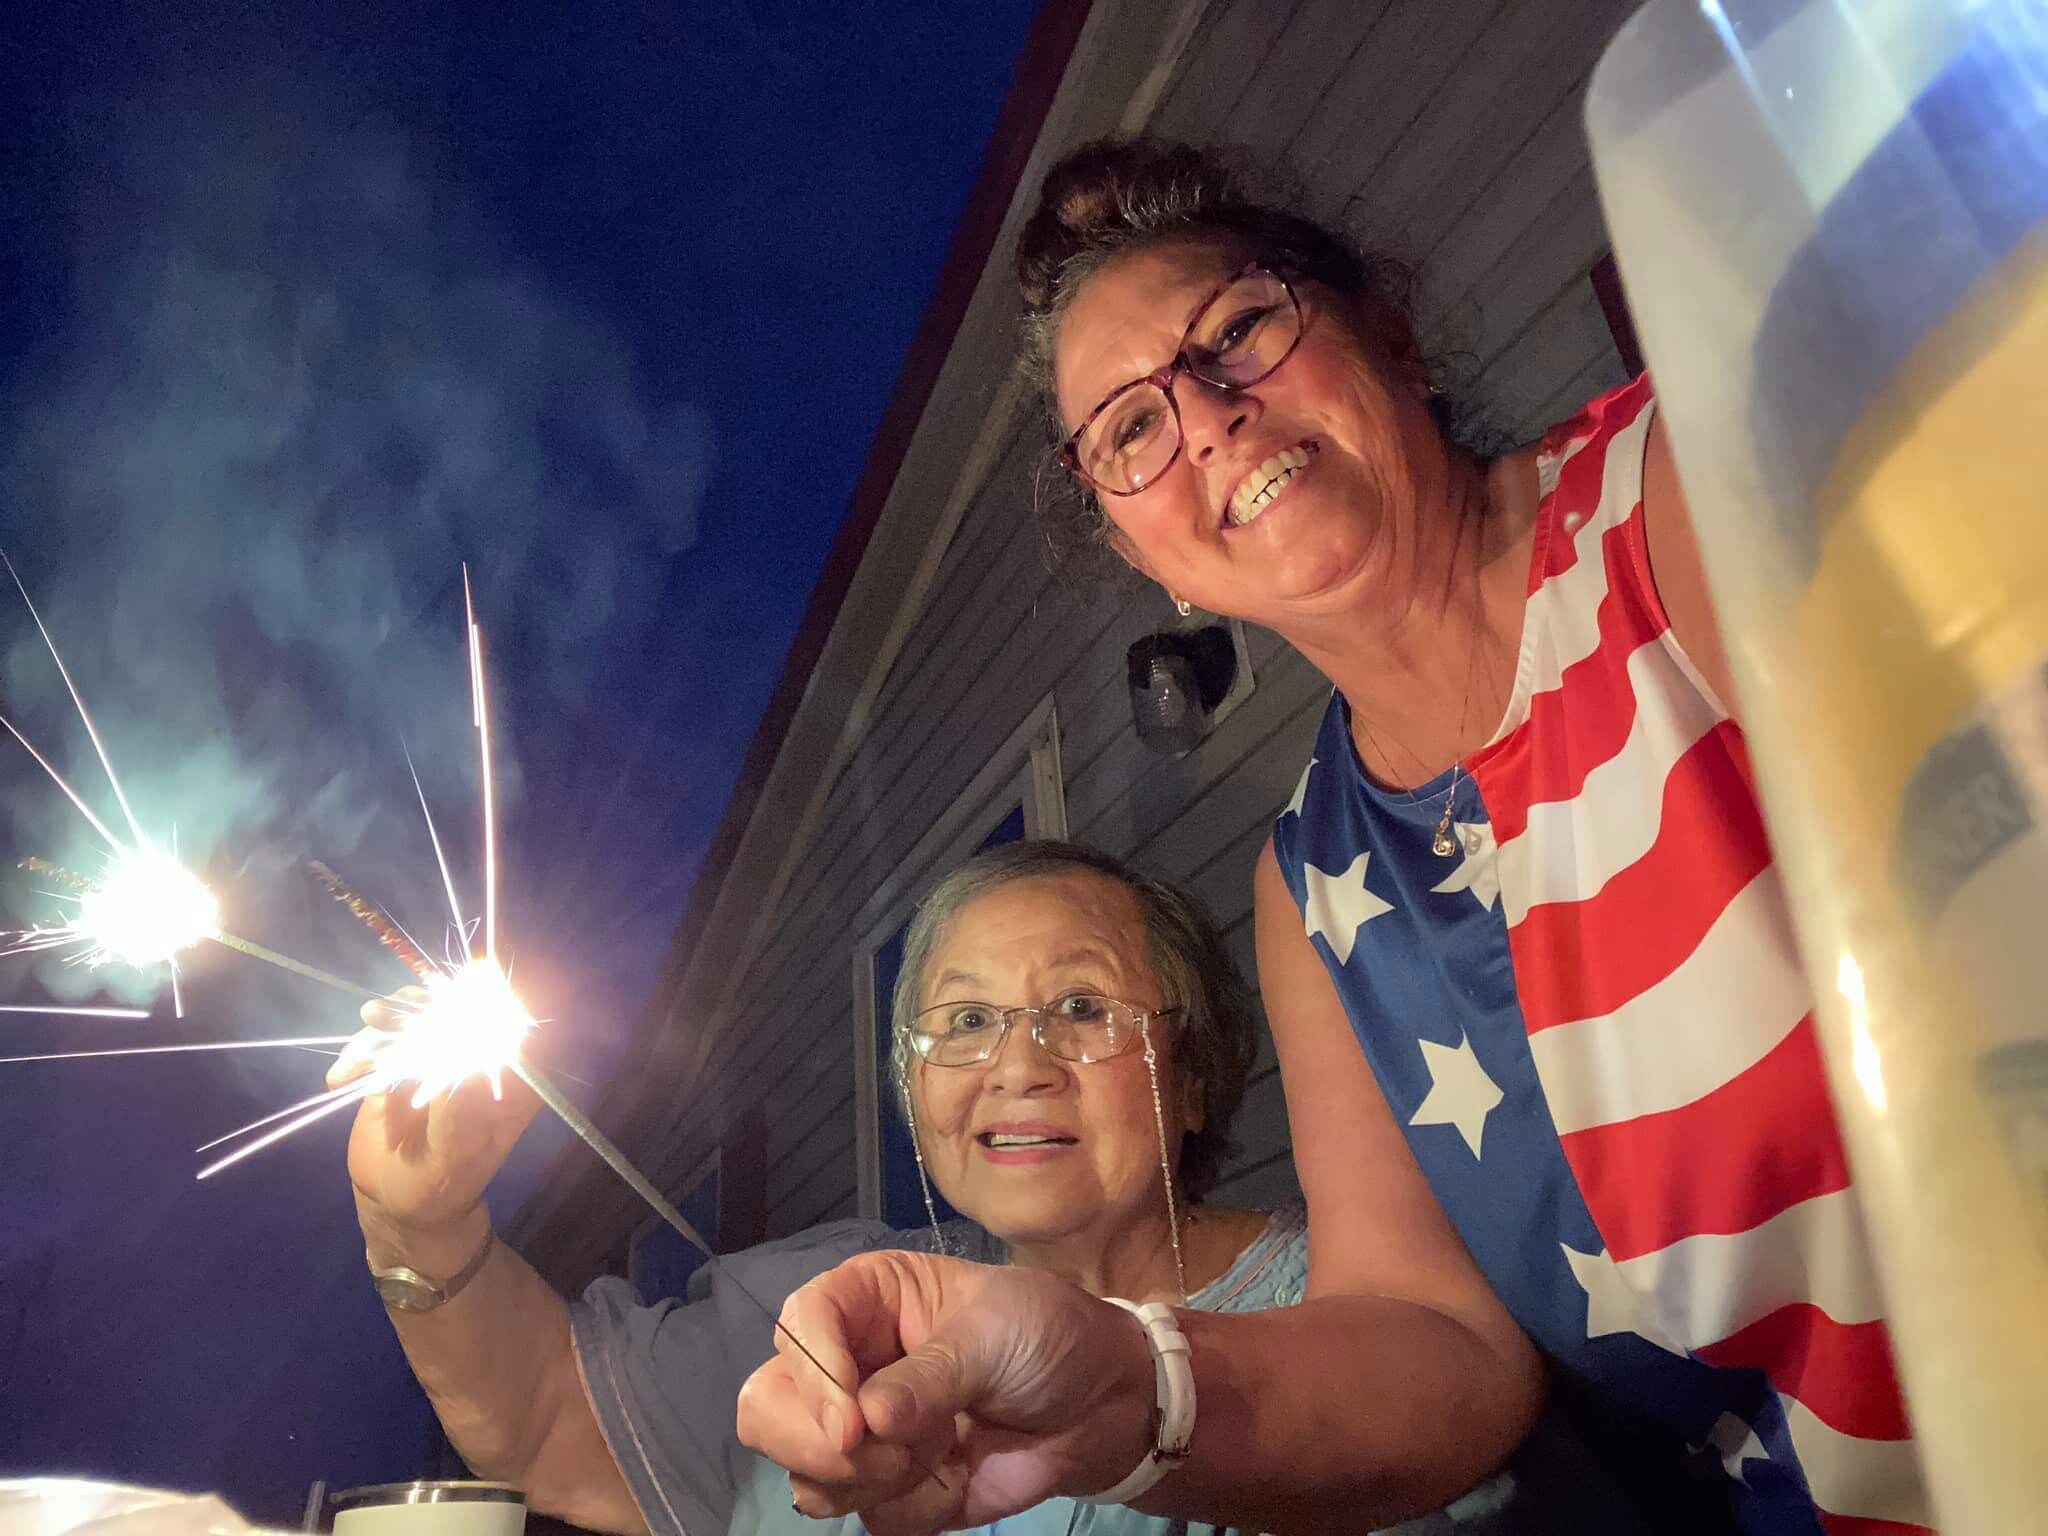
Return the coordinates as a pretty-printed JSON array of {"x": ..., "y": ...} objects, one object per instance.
[{"x": 1086, "y": 1146}]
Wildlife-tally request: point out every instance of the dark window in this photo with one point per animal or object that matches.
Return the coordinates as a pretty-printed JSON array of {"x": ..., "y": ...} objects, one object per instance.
[{"x": 663, "y": 1259}]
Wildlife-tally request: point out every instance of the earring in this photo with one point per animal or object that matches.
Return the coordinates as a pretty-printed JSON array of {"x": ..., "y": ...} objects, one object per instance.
[{"x": 1182, "y": 606}]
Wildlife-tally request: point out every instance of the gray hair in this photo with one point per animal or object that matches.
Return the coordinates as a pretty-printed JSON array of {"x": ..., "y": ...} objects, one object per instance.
[{"x": 1217, "y": 1039}]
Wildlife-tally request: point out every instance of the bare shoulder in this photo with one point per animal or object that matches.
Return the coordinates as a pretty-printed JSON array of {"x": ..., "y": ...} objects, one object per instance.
[{"x": 1675, "y": 566}]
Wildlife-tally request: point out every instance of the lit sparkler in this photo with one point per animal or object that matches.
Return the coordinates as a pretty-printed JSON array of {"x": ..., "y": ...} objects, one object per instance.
[
  {"x": 145, "y": 908},
  {"x": 471, "y": 1023}
]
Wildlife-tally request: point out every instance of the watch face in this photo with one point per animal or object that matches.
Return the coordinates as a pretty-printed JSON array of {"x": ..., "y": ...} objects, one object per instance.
[{"x": 407, "y": 1293}]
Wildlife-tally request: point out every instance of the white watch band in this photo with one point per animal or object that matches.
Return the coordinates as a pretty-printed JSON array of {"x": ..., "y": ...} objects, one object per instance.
[{"x": 1174, "y": 1379}]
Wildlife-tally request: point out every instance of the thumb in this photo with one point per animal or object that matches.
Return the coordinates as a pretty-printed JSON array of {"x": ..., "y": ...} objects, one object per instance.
[{"x": 915, "y": 1399}]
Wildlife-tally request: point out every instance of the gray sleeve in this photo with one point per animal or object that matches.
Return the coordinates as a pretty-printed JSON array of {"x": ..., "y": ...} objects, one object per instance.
[
  {"x": 663, "y": 1380},
  {"x": 662, "y": 1384}
]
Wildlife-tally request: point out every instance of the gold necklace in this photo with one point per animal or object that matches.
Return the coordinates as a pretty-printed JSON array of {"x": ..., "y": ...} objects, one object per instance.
[{"x": 1442, "y": 844}]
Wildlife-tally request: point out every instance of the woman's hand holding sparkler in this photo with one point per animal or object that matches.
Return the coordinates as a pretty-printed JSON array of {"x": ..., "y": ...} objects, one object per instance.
[
  {"x": 497, "y": 1361},
  {"x": 420, "y": 1171}
]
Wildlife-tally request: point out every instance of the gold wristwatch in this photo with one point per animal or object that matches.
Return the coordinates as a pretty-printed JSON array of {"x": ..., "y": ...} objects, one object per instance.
[{"x": 407, "y": 1290}]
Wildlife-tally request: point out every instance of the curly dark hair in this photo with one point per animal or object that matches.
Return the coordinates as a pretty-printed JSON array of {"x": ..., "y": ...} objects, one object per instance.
[
  {"x": 1111, "y": 197},
  {"x": 1218, "y": 1036}
]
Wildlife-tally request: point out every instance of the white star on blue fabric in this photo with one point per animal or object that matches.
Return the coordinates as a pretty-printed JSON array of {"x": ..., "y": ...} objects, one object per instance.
[
  {"x": 1611, "y": 1306},
  {"x": 1339, "y": 905},
  {"x": 1734, "y": 1442},
  {"x": 1478, "y": 868},
  {"x": 1300, "y": 791},
  {"x": 1460, "y": 1092}
]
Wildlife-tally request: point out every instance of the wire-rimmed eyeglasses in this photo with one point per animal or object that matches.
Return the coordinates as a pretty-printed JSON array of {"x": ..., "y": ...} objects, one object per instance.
[
  {"x": 1082, "y": 1026},
  {"x": 1244, "y": 331}
]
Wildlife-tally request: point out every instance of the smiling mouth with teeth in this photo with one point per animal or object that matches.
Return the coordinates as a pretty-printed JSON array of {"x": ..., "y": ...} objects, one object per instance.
[
  {"x": 1260, "y": 488},
  {"x": 999, "y": 1139}
]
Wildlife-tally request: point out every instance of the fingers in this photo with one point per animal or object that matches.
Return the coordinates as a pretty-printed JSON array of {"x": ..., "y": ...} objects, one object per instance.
[
  {"x": 918, "y": 1397},
  {"x": 815, "y": 1338},
  {"x": 925, "y": 1505},
  {"x": 383, "y": 1019},
  {"x": 389, "y": 1014},
  {"x": 469, "y": 1126},
  {"x": 771, "y": 1410},
  {"x": 828, "y": 1477}
]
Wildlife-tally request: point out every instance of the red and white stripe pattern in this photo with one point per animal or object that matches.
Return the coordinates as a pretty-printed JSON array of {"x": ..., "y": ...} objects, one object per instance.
[{"x": 1668, "y": 1017}]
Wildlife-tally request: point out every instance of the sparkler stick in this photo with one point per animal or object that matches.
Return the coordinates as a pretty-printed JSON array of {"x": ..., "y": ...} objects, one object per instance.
[
  {"x": 299, "y": 967},
  {"x": 645, "y": 1188},
  {"x": 57, "y": 872},
  {"x": 616, "y": 1160},
  {"x": 377, "y": 920}
]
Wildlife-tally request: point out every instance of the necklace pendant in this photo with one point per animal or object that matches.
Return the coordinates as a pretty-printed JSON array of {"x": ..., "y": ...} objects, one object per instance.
[{"x": 1444, "y": 844}]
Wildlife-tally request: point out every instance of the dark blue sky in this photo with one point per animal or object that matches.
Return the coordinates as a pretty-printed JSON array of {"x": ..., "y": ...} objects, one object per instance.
[{"x": 300, "y": 307}]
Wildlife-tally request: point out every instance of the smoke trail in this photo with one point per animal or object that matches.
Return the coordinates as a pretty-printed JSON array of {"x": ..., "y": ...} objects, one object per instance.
[{"x": 301, "y": 379}]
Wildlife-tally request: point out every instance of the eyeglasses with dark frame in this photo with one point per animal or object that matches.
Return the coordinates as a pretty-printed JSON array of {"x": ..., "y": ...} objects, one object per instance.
[
  {"x": 1239, "y": 336},
  {"x": 1083, "y": 1027}
]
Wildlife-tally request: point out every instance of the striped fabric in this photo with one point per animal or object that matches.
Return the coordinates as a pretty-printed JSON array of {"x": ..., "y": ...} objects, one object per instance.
[{"x": 1591, "y": 1021}]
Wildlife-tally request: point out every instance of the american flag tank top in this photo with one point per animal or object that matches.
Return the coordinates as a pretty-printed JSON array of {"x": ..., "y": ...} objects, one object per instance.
[{"x": 1592, "y": 1024}]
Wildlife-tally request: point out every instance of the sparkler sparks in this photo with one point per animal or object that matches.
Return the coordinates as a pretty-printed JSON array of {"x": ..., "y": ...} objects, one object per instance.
[
  {"x": 472, "y": 1025},
  {"x": 142, "y": 912},
  {"x": 146, "y": 909}
]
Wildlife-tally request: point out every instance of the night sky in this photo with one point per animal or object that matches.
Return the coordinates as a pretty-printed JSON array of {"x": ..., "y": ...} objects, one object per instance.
[{"x": 301, "y": 307}]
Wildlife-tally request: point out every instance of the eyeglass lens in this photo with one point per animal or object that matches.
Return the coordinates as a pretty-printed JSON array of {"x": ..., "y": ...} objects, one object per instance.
[
  {"x": 1083, "y": 1027},
  {"x": 1243, "y": 334}
]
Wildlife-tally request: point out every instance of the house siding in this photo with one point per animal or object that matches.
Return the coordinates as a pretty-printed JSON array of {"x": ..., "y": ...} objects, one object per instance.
[{"x": 1449, "y": 128}]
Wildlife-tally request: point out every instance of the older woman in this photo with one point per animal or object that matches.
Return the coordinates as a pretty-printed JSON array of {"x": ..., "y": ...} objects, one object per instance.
[
  {"x": 1071, "y": 1043},
  {"x": 1548, "y": 1053}
]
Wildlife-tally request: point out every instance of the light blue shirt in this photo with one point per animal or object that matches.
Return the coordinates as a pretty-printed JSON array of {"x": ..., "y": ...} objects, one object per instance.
[{"x": 663, "y": 1379}]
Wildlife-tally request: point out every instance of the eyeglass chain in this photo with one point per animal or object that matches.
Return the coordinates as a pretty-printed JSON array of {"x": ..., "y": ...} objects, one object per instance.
[{"x": 1180, "y": 1270}]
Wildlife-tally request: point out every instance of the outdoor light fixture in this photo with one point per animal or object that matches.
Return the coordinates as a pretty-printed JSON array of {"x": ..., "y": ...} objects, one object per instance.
[{"x": 1177, "y": 679}]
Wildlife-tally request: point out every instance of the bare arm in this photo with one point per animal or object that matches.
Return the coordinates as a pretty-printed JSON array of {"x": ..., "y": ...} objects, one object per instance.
[
  {"x": 1396, "y": 1386},
  {"x": 497, "y": 1360},
  {"x": 1422, "y": 1382}
]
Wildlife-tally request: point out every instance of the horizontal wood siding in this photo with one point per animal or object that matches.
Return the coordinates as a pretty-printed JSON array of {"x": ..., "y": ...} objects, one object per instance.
[{"x": 1449, "y": 128}]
